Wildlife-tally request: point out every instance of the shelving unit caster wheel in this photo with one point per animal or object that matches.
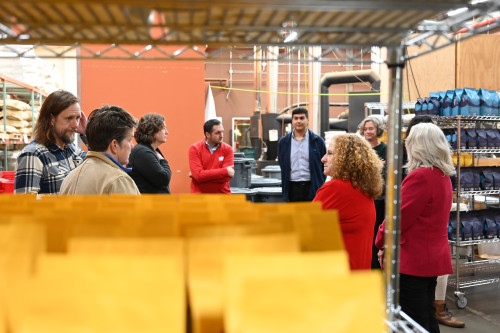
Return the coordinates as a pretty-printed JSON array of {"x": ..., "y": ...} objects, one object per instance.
[{"x": 461, "y": 301}]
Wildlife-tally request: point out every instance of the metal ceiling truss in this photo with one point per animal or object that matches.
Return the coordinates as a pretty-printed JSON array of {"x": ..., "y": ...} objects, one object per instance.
[
  {"x": 208, "y": 30},
  {"x": 431, "y": 35}
]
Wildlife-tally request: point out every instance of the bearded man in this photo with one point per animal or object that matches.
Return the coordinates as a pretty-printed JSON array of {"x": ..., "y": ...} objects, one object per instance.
[{"x": 46, "y": 161}]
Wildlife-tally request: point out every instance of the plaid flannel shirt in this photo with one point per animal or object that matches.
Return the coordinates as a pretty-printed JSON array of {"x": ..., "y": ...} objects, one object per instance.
[{"x": 41, "y": 169}]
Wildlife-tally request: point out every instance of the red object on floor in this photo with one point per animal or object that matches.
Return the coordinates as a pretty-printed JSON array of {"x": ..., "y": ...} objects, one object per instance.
[
  {"x": 9, "y": 175},
  {"x": 7, "y": 181}
]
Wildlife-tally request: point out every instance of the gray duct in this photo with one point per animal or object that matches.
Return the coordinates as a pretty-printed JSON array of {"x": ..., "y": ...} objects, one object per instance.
[{"x": 340, "y": 78}]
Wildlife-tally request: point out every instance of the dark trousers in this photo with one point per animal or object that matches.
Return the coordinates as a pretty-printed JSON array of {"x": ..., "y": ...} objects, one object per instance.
[
  {"x": 299, "y": 191},
  {"x": 380, "y": 211},
  {"x": 416, "y": 298}
]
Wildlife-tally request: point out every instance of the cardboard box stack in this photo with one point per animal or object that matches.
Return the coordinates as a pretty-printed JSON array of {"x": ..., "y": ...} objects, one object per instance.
[{"x": 18, "y": 123}]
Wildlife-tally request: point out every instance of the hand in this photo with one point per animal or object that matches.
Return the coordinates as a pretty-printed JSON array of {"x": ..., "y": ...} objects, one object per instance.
[
  {"x": 230, "y": 171},
  {"x": 82, "y": 124},
  {"x": 190, "y": 174},
  {"x": 380, "y": 256}
]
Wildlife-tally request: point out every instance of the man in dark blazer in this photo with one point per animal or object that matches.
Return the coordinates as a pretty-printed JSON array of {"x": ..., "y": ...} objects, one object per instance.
[{"x": 299, "y": 156}]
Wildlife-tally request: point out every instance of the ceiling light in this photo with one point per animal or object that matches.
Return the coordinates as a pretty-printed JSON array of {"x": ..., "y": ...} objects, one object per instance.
[
  {"x": 457, "y": 11},
  {"x": 292, "y": 37},
  {"x": 288, "y": 32}
]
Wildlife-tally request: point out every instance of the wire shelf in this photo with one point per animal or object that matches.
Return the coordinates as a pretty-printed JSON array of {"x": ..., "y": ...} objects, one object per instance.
[
  {"x": 475, "y": 242},
  {"x": 479, "y": 151},
  {"x": 383, "y": 106},
  {"x": 467, "y": 283},
  {"x": 468, "y": 273},
  {"x": 482, "y": 192},
  {"x": 405, "y": 324},
  {"x": 465, "y": 118}
]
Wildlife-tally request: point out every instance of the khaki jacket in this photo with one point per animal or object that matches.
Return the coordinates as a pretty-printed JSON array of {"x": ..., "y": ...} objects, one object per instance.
[{"x": 98, "y": 175}]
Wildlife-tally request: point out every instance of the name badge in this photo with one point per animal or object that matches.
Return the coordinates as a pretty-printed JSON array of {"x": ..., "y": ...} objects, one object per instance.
[{"x": 221, "y": 158}]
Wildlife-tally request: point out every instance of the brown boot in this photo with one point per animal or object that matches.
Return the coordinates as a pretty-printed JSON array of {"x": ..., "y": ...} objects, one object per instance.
[{"x": 445, "y": 317}]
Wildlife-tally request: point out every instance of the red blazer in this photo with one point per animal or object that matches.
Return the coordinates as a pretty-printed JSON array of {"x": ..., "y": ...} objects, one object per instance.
[
  {"x": 209, "y": 171},
  {"x": 426, "y": 197},
  {"x": 357, "y": 219}
]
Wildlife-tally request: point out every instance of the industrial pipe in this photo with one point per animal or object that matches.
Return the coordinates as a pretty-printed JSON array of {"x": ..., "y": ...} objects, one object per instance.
[{"x": 340, "y": 78}]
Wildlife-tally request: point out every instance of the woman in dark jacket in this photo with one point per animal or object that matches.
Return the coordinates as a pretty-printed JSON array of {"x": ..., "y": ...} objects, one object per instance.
[
  {"x": 372, "y": 128},
  {"x": 150, "y": 169}
]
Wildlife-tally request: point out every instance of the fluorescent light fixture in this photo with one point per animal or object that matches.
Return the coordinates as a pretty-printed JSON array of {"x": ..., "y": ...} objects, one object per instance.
[
  {"x": 288, "y": 33},
  {"x": 292, "y": 37},
  {"x": 457, "y": 11}
]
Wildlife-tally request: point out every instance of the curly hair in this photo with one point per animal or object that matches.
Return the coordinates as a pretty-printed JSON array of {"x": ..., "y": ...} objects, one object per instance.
[
  {"x": 149, "y": 125},
  {"x": 353, "y": 159}
]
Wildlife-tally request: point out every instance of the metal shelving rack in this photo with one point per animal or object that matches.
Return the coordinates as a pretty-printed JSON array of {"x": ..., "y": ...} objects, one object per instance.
[
  {"x": 25, "y": 93},
  {"x": 214, "y": 30},
  {"x": 471, "y": 273}
]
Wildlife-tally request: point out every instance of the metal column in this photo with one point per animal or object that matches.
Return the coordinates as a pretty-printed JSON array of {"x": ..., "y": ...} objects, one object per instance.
[
  {"x": 4, "y": 96},
  {"x": 315, "y": 87},
  {"x": 393, "y": 185}
]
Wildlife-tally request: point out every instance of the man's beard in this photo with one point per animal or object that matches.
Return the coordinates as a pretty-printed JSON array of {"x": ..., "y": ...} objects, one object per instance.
[{"x": 65, "y": 138}]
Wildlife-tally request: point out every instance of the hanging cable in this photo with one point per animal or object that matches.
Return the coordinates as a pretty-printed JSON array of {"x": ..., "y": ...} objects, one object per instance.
[
  {"x": 408, "y": 82},
  {"x": 413, "y": 76}
]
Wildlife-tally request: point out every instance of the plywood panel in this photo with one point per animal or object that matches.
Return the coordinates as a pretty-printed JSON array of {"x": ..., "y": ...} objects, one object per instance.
[
  {"x": 431, "y": 72},
  {"x": 478, "y": 62}
]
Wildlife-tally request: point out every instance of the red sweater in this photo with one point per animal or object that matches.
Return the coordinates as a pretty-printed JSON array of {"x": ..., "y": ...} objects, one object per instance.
[
  {"x": 209, "y": 171},
  {"x": 357, "y": 219},
  {"x": 426, "y": 196}
]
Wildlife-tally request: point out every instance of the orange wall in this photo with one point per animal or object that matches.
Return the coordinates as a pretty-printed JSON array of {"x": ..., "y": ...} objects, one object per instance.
[{"x": 174, "y": 89}]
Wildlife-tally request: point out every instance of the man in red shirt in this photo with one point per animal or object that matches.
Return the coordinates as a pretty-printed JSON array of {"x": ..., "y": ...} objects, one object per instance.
[{"x": 211, "y": 161}]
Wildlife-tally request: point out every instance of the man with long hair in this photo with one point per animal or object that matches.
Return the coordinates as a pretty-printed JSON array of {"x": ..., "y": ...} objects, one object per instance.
[{"x": 47, "y": 160}]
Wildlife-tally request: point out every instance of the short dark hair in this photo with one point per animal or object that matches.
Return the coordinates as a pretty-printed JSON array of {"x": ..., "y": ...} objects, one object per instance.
[
  {"x": 209, "y": 125},
  {"x": 300, "y": 111},
  {"x": 54, "y": 104},
  {"x": 417, "y": 120},
  {"x": 148, "y": 126},
  {"x": 107, "y": 124}
]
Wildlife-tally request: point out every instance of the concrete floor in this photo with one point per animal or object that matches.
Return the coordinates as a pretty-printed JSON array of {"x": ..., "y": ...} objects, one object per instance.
[{"x": 482, "y": 313}]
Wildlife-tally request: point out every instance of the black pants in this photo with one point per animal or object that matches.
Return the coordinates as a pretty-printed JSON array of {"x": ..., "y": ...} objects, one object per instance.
[
  {"x": 380, "y": 211},
  {"x": 416, "y": 298},
  {"x": 299, "y": 191}
]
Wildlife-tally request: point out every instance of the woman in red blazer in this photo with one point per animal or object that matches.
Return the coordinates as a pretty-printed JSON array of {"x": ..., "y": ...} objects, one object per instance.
[
  {"x": 356, "y": 181},
  {"x": 426, "y": 197}
]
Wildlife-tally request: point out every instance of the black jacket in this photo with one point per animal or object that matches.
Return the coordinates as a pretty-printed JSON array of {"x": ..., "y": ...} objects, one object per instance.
[{"x": 150, "y": 174}]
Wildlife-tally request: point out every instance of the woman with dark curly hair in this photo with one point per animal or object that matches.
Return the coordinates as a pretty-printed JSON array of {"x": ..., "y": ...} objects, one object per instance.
[
  {"x": 150, "y": 169},
  {"x": 356, "y": 175}
]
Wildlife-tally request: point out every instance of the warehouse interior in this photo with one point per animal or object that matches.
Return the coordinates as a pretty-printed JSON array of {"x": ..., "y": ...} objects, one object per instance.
[{"x": 232, "y": 59}]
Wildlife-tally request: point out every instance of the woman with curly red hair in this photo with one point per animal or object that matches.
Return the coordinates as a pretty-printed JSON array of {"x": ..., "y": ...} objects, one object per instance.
[{"x": 356, "y": 180}]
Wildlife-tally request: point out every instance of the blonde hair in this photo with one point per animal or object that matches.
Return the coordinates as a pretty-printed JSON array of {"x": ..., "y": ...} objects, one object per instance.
[
  {"x": 427, "y": 147},
  {"x": 355, "y": 160}
]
